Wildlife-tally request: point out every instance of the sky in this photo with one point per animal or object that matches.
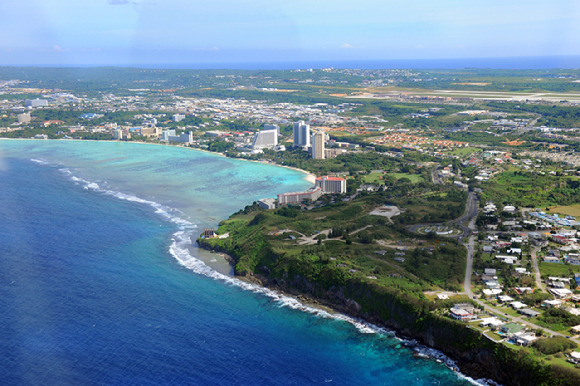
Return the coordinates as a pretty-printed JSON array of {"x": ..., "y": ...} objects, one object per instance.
[{"x": 127, "y": 32}]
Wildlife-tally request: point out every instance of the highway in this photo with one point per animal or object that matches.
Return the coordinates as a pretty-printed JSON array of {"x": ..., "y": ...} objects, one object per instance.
[{"x": 469, "y": 215}]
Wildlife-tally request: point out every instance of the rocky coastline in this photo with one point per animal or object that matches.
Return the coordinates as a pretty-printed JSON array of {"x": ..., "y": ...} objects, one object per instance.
[{"x": 475, "y": 355}]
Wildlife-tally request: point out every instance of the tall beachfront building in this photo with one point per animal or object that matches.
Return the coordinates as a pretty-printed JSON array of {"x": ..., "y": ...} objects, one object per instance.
[
  {"x": 331, "y": 184},
  {"x": 265, "y": 139},
  {"x": 301, "y": 134},
  {"x": 318, "y": 145}
]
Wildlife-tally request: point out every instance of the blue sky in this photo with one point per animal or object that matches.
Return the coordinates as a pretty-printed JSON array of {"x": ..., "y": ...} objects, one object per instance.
[{"x": 189, "y": 31}]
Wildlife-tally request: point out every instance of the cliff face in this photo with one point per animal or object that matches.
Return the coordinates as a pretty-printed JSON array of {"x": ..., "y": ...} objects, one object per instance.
[{"x": 475, "y": 354}]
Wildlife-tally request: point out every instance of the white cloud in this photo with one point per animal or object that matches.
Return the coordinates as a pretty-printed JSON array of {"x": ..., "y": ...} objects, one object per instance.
[{"x": 346, "y": 46}]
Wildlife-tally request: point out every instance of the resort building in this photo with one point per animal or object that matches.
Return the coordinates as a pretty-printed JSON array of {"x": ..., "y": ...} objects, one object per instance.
[
  {"x": 118, "y": 134},
  {"x": 318, "y": 145},
  {"x": 267, "y": 203},
  {"x": 301, "y": 132},
  {"x": 166, "y": 134},
  {"x": 311, "y": 194},
  {"x": 333, "y": 153},
  {"x": 331, "y": 184},
  {"x": 265, "y": 139},
  {"x": 152, "y": 132},
  {"x": 170, "y": 136}
]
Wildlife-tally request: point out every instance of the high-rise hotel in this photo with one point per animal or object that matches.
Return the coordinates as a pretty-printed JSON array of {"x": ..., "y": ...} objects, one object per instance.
[
  {"x": 301, "y": 133},
  {"x": 318, "y": 145}
]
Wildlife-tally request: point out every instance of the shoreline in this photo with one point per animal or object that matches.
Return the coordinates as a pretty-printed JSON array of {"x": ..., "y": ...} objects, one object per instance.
[{"x": 311, "y": 304}]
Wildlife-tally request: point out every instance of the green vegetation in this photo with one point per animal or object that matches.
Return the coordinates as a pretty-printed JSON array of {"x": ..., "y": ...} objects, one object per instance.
[
  {"x": 554, "y": 345},
  {"x": 557, "y": 269},
  {"x": 530, "y": 189},
  {"x": 348, "y": 269},
  {"x": 348, "y": 249},
  {"x": 558, "y": 319}
]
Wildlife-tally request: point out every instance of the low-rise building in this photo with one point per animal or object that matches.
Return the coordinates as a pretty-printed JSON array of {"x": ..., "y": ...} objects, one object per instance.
[
  {"x": 511, "y": 328},
  {"x": 517, "y": 305},
  {"x": 461, "y": 314},
  {"x": 560, "y": 293},
  {"x": 523, "y": 338},
  {"x": 552, "y": 303},
  {"x": 296, "y": 197},
  {"x": 529, "y": 312},
  {"x": 492, "y": 322},
  {"x": 267, "y": 203}
]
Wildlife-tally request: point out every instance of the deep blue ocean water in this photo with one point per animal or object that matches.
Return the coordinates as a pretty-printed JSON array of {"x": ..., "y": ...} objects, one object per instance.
[{"x": 96, "y": 287}]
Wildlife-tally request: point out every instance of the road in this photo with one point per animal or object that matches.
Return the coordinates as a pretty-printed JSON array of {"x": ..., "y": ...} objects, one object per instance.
[
  {"x": 470, "y": 245},
  {"x": 469, "y": 267},
  {"x": 435, "y": 176},
  {"x": 529, "y": 126},
  {"x": 534, "y": 255},
  {"x": 469, "y": 214}
]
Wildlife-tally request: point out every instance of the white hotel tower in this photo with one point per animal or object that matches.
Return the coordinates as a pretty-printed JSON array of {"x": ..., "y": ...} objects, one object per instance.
[
  {"x": 318, "y": 145},
  {"x": 301, "y": 134},
  {"x": 265, "y": 139}
]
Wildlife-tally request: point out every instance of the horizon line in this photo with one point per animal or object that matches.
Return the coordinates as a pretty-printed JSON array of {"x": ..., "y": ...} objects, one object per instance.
[{"x": 419, "y": 63}]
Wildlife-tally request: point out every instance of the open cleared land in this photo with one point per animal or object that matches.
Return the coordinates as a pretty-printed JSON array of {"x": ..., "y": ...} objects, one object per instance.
[{"x": 569, "y": 210}]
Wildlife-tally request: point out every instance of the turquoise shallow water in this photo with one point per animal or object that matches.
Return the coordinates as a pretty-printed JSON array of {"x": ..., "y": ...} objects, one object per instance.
[
  {"x": 204, "y": 186},
  {"x": 98, "y": 284}
]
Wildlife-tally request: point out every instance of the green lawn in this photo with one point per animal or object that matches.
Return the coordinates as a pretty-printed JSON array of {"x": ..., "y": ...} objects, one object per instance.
[
  {"x": 375, "y": 177},
  {"x": 465, "y": 151},
  {"x": 415, "y": 178},
  {"x": 558, "y": 269}
]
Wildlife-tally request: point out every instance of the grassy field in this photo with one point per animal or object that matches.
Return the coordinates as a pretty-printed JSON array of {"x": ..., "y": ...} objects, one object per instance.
[
  {"x": 530, "y": 190},
  {"x": 415, "y": 178},
  {"x": 376, "y": 177},
  {"x": 352, "y": 244},
  {"x": 556, "y": 269},
  {"x": 570, "y": 210},
  {"x": 465, "y": 151}
]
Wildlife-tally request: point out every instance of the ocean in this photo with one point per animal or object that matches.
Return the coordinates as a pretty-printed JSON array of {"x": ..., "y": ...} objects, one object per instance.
[{"x": 100, "y": 284}]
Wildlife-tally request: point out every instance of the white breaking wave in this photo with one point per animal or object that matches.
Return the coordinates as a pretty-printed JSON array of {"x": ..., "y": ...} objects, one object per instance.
[
  {"x": 179, "y": 249},
  {"x": 162, "y": 210},
  {"x": 39, "y": 161}
]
